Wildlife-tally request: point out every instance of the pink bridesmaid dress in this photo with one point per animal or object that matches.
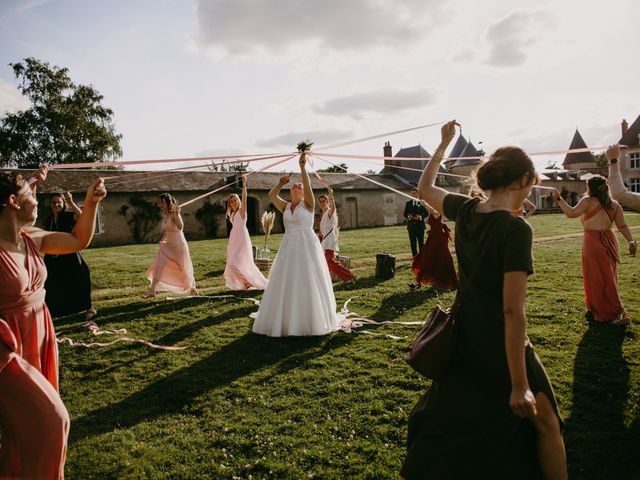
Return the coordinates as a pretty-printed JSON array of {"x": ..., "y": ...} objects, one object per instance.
[
  {"x": 33, "y": 420},
  {"x": 241, "y": 272},
  {"x": 172, "y": 270}
]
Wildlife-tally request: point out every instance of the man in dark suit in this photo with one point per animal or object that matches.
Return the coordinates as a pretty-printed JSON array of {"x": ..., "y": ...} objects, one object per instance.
[{"x": 416, "y": 214}]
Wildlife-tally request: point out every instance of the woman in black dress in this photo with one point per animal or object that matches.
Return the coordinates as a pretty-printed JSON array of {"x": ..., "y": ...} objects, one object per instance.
[
  {"x": 494, "y": 414},
  {"x": 68, "y": 283}
]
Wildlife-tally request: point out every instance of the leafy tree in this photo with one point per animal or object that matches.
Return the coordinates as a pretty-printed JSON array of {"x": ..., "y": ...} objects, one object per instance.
[
  {"x": 66, "y": 122},
  {"x": 601, "y": 160},
  {"x": 230, "y": 167},
  {"x": 340, "y": 168}
]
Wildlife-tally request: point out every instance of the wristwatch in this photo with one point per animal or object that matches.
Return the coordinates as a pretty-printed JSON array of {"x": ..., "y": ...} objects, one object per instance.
[{"x": 613, "y": 161}]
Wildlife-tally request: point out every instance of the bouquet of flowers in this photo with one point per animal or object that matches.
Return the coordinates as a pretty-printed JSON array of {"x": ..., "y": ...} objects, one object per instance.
[{"x": 305, "y": 145}]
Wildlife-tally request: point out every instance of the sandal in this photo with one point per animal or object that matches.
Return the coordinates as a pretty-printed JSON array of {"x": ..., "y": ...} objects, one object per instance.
[{"x": 148, "y": 295}]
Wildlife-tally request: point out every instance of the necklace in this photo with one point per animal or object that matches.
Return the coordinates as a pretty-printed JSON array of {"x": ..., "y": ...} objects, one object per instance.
[{"x": 11, "y": 241}]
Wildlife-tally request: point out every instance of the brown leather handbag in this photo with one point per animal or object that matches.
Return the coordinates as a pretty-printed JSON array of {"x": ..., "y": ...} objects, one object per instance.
[{"x": 431, "y": 351}]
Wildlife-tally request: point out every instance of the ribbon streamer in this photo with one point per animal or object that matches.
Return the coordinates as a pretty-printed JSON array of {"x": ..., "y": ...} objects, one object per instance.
[
  {"x": 204, "y": 195},
  {"x": 403, "y": 194},
  {"x": 95, "y": 330}
]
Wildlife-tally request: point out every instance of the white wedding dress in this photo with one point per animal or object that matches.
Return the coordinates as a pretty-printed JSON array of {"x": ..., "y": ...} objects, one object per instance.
[{"x": 299, "y": 298}]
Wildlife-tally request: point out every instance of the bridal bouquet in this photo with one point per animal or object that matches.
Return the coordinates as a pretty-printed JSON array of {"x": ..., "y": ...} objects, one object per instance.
[{"x": 305, "y": 145}]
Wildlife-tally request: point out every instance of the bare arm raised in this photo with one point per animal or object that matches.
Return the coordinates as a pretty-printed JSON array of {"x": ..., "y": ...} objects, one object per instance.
[
  {"x": 427, "y": 189},
  {"x": 274, "y": 196},
  {"x": 58, "y": 243},
  {"x": 243, "y": 204},
  {"x": 572, "y": 212},
  {"x": 309, "y": 199}
]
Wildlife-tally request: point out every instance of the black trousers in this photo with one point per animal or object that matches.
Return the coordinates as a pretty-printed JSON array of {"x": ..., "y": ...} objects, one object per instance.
[{"x": 416, "y": 235}]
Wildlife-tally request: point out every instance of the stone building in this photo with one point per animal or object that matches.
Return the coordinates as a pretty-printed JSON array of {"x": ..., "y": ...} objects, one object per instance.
[
  {"x": 128, "y": 213},
  {"x": 630, "y": 163}
]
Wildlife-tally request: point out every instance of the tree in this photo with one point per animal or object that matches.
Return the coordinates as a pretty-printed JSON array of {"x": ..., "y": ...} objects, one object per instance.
[
  {"x": 228, "y": 167},
  {"x": 340, "y": 168},
  {"x": 601, "y": 160},
  {"x": 66, "y": 122}
]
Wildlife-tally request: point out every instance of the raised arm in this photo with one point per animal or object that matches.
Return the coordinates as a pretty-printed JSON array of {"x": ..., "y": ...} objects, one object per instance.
[
  {"x": 530, "y": 207},
  {"x": 332, "y": 203},
  {"x": 429, "y": 208},
  {"x": 522, "y": 401},
  {"x": 71, "y": 204},
  {"x": 38, "y": 178},
  {"x": 274, "y": 198},
  {"x": 58, "y": 243},
  {"x": 243, "y": 204},
  {"x": 625, "y": 231},
  {"x": 177, "y": 218},
  {"x": 427, "y": 189},
  {"x": 572, "y": 212},
  {"x": 309, "y": 199},
  {"x": 619, "y": 192}
]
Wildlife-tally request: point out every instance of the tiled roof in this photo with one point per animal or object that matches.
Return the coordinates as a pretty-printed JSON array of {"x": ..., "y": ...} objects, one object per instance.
[
  {"x": 469, "y": 151},
  {"x": 631, "y": 138},
  {"x": 583, "y": 157},
  {"x": 78, "y": 180}
]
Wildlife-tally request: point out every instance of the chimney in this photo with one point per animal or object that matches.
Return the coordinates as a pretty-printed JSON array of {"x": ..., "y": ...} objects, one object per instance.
[
  {"x": 625, "y": 126},
  {"x": 387, "y": 152}
]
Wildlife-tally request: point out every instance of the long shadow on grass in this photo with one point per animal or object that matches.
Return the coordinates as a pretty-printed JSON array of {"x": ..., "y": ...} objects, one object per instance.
[
  {"x": 598, "y": 443},
  {"x": 128, "y": 312},
  {"x": 395, "y": 305},
  {"x": 361, "y": 283},
  {"x": 176, "y": 336},
  {"x": 177, "y": 391}
]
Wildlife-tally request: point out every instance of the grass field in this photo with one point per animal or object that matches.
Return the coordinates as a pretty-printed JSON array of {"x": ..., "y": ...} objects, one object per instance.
[{"x": 238, "y": 405}]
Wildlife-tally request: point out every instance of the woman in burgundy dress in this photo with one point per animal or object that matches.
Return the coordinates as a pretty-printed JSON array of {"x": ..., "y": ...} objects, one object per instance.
[{"x": 434, "y": 264}]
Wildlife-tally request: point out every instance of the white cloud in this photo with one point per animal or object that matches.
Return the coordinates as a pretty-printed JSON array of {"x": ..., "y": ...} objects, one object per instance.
[
  {"x": 11, "y": 100},
  {"x": 512, "y": 36},
  {"x": 382, "y": 101},
  {"x": 290, "y": 139},
  {"x": 241, "y": 27}
]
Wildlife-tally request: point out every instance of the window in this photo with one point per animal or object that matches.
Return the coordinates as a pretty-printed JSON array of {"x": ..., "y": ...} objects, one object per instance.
[
  {"x": 634, "y": 160},
  {"x": 634, "y": 184},
  {"x": 99, "y": 229}
]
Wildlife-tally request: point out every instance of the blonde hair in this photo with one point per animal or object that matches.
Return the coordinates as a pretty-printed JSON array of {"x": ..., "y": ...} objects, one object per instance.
[{"x": 229, "y": 210}]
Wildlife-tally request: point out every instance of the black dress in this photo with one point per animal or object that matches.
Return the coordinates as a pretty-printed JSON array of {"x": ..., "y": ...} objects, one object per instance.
[
  {"x": 463, "y": 427},
  {"x": 68, "y": 284}
]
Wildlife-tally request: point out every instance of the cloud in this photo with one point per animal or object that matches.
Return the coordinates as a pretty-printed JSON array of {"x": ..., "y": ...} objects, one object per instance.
[
  {"x": 512, "y": 36},
  {"x": 11, "y": 100},
  {"x": 319, "y": 137},
  {"x": 240, "y": 27},
  {"x": 383, "y": 101},
  {"x": 19, "y": 6}
]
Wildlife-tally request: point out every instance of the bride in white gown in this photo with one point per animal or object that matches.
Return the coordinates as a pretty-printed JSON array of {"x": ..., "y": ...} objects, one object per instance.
[{"x": 299, "y": 298}]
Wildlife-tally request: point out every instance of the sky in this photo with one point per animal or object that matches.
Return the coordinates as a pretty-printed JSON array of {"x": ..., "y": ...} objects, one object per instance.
[{"x": 219, "y": 77}]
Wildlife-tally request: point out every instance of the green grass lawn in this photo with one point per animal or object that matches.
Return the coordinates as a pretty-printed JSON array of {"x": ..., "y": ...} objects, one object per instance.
[{"x": 238, "y": 405}]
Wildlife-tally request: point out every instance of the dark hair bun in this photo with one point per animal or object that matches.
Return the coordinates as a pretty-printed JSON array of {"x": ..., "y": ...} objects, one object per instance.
[{"x": 505, "y": 166}]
